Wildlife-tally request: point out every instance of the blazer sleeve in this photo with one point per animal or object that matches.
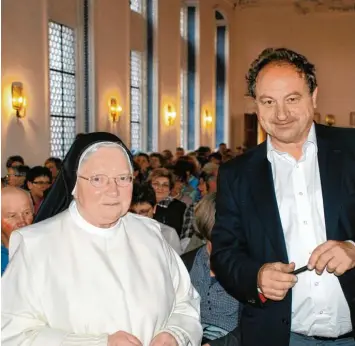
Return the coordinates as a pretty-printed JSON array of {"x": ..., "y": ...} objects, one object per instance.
[
  {"x": 230, "y": 260},
  {"x": 184, "y": 321},
  {"x": 23, "y": 320}
]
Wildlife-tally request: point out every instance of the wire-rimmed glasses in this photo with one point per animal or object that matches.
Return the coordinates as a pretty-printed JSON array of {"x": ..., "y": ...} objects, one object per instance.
[{"x": 102, "y": 180}]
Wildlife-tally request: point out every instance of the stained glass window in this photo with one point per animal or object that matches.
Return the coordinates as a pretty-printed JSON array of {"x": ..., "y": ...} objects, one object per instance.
[
  {"x": 62, "y": 88},
  {"x": 136, "y": 5},
  {"x": 136, "y": 100}
]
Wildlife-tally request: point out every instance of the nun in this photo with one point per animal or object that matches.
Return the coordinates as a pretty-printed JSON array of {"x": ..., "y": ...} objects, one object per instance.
[{"x": 88, "y": 273}]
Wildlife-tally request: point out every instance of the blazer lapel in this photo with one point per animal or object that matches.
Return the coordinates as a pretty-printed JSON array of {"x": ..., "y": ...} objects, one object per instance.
[
  {"x": 263, "y": 194},
  {"x": 330, "y": 168}
]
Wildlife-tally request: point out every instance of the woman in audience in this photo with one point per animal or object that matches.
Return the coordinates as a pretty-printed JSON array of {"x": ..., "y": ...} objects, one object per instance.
[
  {"x": 15, "y": 160},
  {"x": 38, "y": 180},
  {"x": 54, "y": 164},
  {"x": 169, "y": 211},
  {"x": 144, "y": 203},
  {"x": 88, "y": 274},
  {"x": 142, "y": 159},
  {"x": 219, "y": 311},
  {"x": 16, "y": 176}
]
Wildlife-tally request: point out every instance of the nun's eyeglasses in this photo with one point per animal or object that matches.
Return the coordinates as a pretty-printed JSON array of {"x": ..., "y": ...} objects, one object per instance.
[{"x": 102, "y": 180}]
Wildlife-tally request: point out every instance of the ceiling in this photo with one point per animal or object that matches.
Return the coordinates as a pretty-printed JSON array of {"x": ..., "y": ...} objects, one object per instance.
[{"x": 301, "y": 6}]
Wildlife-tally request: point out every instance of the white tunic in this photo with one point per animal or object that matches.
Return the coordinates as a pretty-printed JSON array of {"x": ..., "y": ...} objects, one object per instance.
[{"x": 70, "y": 283}]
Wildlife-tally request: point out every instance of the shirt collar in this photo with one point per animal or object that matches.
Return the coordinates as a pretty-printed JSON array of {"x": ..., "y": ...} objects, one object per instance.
[{"x": 311, "y": 140}]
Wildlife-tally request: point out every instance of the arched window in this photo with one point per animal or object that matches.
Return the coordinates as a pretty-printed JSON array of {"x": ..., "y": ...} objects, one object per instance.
[
  {"x": 221, "y": 79},
  {"x": 62, "y": 88}
]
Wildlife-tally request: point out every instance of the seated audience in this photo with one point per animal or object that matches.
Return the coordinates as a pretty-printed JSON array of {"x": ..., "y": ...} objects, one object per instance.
[
  {"x": 215, "y": 158},
  {"x": 16, "y": 176},
  {"x": 38, "y": 180},
  {"x": 15, "y": 160},
  {"x": 16, "y": 212},
  {"x": 188, "y": 164},
  {"x": 54, "y": 164},
  {"x": 169, "y": 211},
  {"x": 219, "y": 311},
  {"x": 92, "y": 273},
  {"x": 207, "y": 184},
  {"x": 144, "y": 203}
]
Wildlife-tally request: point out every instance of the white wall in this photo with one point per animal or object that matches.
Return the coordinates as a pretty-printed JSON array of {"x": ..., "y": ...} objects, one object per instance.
[
  {"x": 24, "y": 58},
  {"x": 326, "y": 39}
]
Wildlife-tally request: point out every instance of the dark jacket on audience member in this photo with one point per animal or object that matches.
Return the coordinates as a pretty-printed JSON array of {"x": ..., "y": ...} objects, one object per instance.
[{"x": 171, "y": 215}]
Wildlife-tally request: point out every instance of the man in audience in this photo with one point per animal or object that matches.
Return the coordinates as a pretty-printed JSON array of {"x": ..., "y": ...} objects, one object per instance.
[
  {"x": 179, "y": 152},
  {"x": 38, "y": 180},
  {"x": 222, "y": 148},
  {"x": 144, "y": 203},
  {"x": 16, "y": 212},
  {"x": 156, "y": 160},
  {"x": 286, "y": 204}
]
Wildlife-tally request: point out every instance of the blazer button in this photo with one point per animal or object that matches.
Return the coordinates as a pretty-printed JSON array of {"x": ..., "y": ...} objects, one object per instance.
[
  {"x": 251, "y": 301},
  {"x": 285, "y": 321}
]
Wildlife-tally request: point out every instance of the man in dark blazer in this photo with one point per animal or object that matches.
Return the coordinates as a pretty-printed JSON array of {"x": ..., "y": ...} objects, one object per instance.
[{"x": 289, "y": 203}]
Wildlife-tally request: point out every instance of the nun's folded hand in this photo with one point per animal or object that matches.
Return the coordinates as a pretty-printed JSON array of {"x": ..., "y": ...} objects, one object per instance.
[
  {"x": 122, "y": 338},
  {"x": 164, "y": 339}
]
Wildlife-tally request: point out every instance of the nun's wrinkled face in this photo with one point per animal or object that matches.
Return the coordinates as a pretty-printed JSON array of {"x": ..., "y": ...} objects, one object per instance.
[{"x": 104, "y": 187}]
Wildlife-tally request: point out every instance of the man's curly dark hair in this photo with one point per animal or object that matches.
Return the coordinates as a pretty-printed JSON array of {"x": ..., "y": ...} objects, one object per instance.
[{"x": 280, "y": 56}]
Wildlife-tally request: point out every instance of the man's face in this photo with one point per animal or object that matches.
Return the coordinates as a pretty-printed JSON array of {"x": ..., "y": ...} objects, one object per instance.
[
  {"x": 144, "y": 209},
  {"x": 38, "y": 186},
  {"x": 284, "y": 103},
  {"x": 103, "y": 206},
  {"x": 222, "y": 148},
  {"x": 16, "y": 211},
  {"x": 179, "y": 153},
  {"x": 154, "y": 162}
]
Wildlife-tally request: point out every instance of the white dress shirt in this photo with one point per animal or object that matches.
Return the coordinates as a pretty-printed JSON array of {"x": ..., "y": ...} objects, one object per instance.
[
  {"x": 319, "y": 307},
  {"x": 70, "y": 283}
]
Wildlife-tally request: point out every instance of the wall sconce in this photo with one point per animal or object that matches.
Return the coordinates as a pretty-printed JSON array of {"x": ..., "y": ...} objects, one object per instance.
[
  {"x": 330, "y": 119},
  {"x": 352, "y": 119},
  {"x": 18, "y": 100},
  {"x": 114, "y": 109},
  {"x": 207, "y": 118},
  {"x": 170, "y": 115}
]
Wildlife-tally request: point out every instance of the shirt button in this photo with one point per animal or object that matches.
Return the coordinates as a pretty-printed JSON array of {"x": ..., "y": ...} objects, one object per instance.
[
  {"x": 209, "y": 309},
  {"x": 208, "y": 293},
  {"x": 305, "y": 222},
  {"x": 209, "y": 302},
  {"x": 297, "y": 166},
  {"x": 316, "y": 284},
  {"x": 300, "y": 193},
  {"x": 321, "y": 312}
]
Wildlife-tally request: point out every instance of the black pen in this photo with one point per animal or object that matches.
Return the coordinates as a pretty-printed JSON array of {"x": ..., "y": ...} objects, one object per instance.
[{"x": 300, "y": 270}]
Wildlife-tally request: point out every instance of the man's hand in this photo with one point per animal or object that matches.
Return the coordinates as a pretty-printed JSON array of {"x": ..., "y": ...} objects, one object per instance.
[
  {"x": 164, "y": 339},
  {"x": 337, "y": 256},
  {"x": 274, "y": 280},
  {"x": 122, "y": 338}
]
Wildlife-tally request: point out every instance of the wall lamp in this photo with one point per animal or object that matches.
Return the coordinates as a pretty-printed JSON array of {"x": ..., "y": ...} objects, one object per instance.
[
  {"x": 170, "y": 115},
  {"x": 330, "y": 119},
  {"x": 18, "y": 100},
  {"x": 115, "y": 110},
  {"x": 207, "y": 118}
]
